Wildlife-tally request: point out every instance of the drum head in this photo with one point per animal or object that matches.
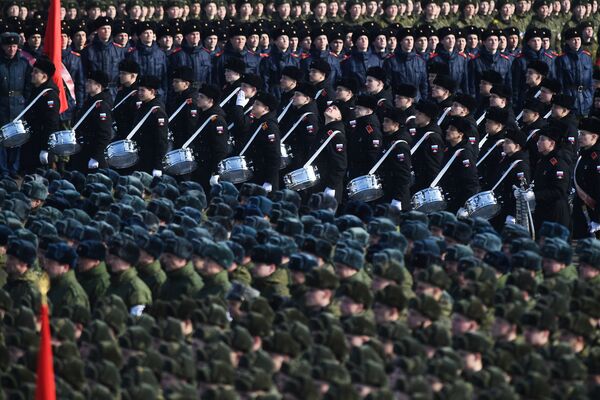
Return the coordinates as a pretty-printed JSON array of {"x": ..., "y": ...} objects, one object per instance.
[
  {"x": 237, "y": 176},
  {"x": 65, "y": 149},
  {"x": 123, "y": 161},
  {"x": 432, "y": 207},
  {"x": 15, "y": 140},
  {"x": 181, "y": 168},
  {"x": 367, "y": 195},
  {"x": 486, "y": 212}
]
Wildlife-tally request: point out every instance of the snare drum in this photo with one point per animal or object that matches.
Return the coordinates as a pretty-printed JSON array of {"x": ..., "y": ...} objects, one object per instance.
[
  {"x": 121, "y": 154},
  {"x": 483, "y": 205},
  {"x": 179, "y": 162},
  {"x": 63, "y": 143},
  {"x": 365, "y": 188},
  {"x": 429, "y": 200},
  {"x": 14, "y": 134},
  {"x": 235, "y": 169},
  {"x": 286, "y": 156},
  {"x": 302, "y": 178}
]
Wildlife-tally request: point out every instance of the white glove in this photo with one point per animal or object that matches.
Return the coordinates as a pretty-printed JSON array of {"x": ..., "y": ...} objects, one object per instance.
[
  {"x": 157, "y": 173},
  {"x": 510, "y": 220},
  {"x": 241, "y": 100},
  {"x": 397, "y": 204},
  {"x": 92, "y": 164},
  {"x": 529, "y": 195},
  {"x": 214, "y": 180},
  {"x": 462, "y": 213},
  {"x": 329, "y": 191},
  {"x": 44, "y": 157},
  {"x": 594, "y": 227},
  {"x": 268, "y": 187},
  {"x": 136, "y": 311}
]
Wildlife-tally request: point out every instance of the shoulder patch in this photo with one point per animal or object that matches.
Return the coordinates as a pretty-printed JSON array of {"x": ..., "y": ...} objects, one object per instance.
[
  {"x": 553, "y": 161},
  {"x": 505, "y": 56},
  {"x": 263, "y": 55},
  {"x": 304, "y": 56},
  {"x": 219, "y": 53},
  {"x": 549, "y": 55},
  {"x": 117, "y": 45},
  {"x": 294, "y": 55},
  {"x": 586, "y": 52},
  {"x": 369, "y": 128},
  {"x": 594, "y": 155},
  {"x": 432, "y": 55},
  {"x": 462, "y": 54}
]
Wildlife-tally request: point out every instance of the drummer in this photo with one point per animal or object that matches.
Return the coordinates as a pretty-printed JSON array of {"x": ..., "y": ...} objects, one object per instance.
[
  {"x": 95, "y": 131},
  {"x": 427, "y": 159},
  {"x": 396, "y": 167},
  {"x": 495, "y": 130},
  {"x": 126, "y": 103},
  {"x": 184, "y": 123},
  {"x": 364, "y": 137},
  {"x": 250, "y": 84},
  {"x": 42, "y": 118},
  {"x": 211, "y": 146},
  {"x": 460, "y": 180},
  {"x": 514, "y": 149}
]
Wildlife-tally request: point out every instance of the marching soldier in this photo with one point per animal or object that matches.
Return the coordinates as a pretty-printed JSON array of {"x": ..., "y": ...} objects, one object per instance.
[
  {"x": 586, "y": 219},
  {"x": 265, "y": 151},
  {"x": 152, "y": 137},
  {"x": 125, "y": 104},
  {"x": 22, "y": 281},
  {"x": 319, "y": 75},
  {"x": 184, "y": 123},
  {"x": 234, "y": 70},
  {"x": 463, "y": 106},
  {"x": 533, "y": 120},
  {"x": 346, "y": 90},
  {"x": 290, "y": 78},
  {"x": 364, "y": 138},
  {"x": 333, "y": 160},
  {"x": 404, "y": 65},
  {"x": 95, "y": 131},
  {"x": 490, "y": 152},
  {"x": 212, "y": 145},
  {"x": 448, "y": 54},
  {"x": 563, "y": 114},
  {"x": 427, "y": 158},
  {"x": 460, "y": 181},
  {"x": 249, "y": 86},
  {"x": 396, "y": 169},
  {"x": 42, "y": 117},
  {"x": 65, "y": 291},
  {"x": 404, "y": 97},
  {"x": 530, "y": 88}
]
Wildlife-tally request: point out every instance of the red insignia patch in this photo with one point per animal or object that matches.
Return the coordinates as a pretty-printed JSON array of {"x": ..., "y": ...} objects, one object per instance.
[
  {"x": 188, "y": 101},
  {"x": 264, "y": 126},
  {"x": 329, "y": 132},
  {"x": 369, "y": 129},
  {"x": 594, "y": 155},
  {"x": 553, "y": 161},
  {"x": 98, "y": 105}
]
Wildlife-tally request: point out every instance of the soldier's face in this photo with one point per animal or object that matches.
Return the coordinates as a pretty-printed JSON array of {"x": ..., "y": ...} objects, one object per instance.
[
  {"x": 180, "y": 85},
  {"x": 492, "y": 43},
  {"x": 92, "y": 87},
  {"x": 509, "y": 147},
  {"x": 38, "y": 77},
  {"x": 407, "y": 44},
  {"x": 402, "y": 102},
  {"x": 453, "y": 136},
  {"x": 390, "y": 125},
  {"x": 238, "y": 42},
  {"x": 587, "y": 139},
  {"x": 373, "y": 86},
  {"x": 116, "y": 264},
  {"x": 497, "y": 101},
  {"x": 55, "y": 269},
  {"x": 145, "y": 94},
  {"x": 283, "y": 42},
  {"x": 574, "y": 43},
  {"x": 438, "y": 92},
  {"x": 315, "y": 76},
  {"x": 203, "y": 102},
  {"x": 349, "y": 307},
  {"x": 343, "y": 94},
  {"x": 299, "y": 99},
  {"x": 262, "y": 270},
  {"x": 529, "y": 116},
  {"x": 362, "y": 43},
  {"x": 545, "y": 145},
  {"x": 449, "y": 41},
  {"x": 317, "y": 297},
  {"x": 104, "y": 33},
  {"x": 536, "y": 337},
  {"x": 14, "y": 266},
  {"x": 458, "y": 110},
  {"x": 35, "y": 41},
  {"x": 193, "y": 38},
  {"x": 10, "y": 50},
  {"x": 344, "y": 272},
  {"x": 334, "y": 113}
]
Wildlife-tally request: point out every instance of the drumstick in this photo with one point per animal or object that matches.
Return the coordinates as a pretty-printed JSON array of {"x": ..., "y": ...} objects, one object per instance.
[
  {"x": 378, "y": 164},
  {"x": 285, "y": 110},
  {"x": 251, "y": 139},
  {"x": 31, "y": 104},
  {"x": 191, "y": 139},
  {"x": 123, "y": 99}
]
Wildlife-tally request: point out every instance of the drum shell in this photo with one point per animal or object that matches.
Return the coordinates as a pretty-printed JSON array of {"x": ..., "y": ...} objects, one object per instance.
[
  {"x": 14, "y": 134},
  {"x": 302, "y": 178},
  {"x": 64, "y": 143},
  {"x": 483, "y": 205},
  {"x": 429, "y": 200},
  {"x": 121, "y": 154},
  {"x": 235, "y": 169},
  {"x": 365, "y": 188},
  {"x": 179, "y": 162}
]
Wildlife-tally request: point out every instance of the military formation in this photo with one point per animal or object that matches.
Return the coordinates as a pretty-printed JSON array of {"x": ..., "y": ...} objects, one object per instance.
[{"x": 221, "y": 282}]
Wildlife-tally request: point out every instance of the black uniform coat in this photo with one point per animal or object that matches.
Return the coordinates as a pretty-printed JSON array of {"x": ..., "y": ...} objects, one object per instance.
[
  {"x": 124, "y": 114},
  {"x": 43, "y": 119},
  {"x": 460, "y": 180},
  {"x": 532, "y": 132},
  {"x": 184, "y": 123},
  {"x": 305, "y": 133},
  {"x": 551, "y": 178},
  {"x": 264, "y": 152},
  {"x": 587, "y": 175},
  {"x": 94, "y": 133},
  {"x": 152, "y": 137},
  {"x": 365, "y": 141},
  {"x": 396, "y": 169},
  {"x": 487, "y": 168},
  {"x": 427, "y": 160},
  {"x": 332, "y": 162},
  {"x": 211, "y": 145}
]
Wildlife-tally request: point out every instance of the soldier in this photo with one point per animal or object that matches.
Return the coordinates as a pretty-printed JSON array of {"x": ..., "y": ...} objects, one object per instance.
[
  {"x": 182, "y": 280},
  {"x": 463, "y": 106},
  {"x": 360, "y": 58},
  {"x": 556, "y": 260},
  {"x": 42, "y": 117},
  {"x": 152, "y": 135},
  {"x": 236, "y": 48},
  {"x": 192, "y": 54},
  {"x": 280, "y": 57},
  {"x": 125, "y": 104},
  {"x": 320, "y": 76},
  {"x": 490, "y": 151},
  {"x": 365, "y": 138},
  {"x": 489, "y": 58},
  {"x": 212, "y": 145},
  {"x": 72, "y": 62},
  {"x": 447, "y": 53},
  {"x": 15, "y": 72},
  {"x": 182, "y": 124},
  {"x": 148, "y": 266},
  {"x": 530, "y": 88},
  {"x": 427, "y": 158},
  {"x": 234, "y": 70},
  {"x": 460, "y": 181},
  {"x": 376, "y": 86},
  {"x": 552, "y": 177},
  {"x": 406, "y": 66},
  {"x": 333, "y": 160},
  {"x": 290, "y": 78},
  {"x": 268, "y": 277},
  {"x": 123, "y": 255},
  {"x": 574, "y": 71},
  {"x": 442, "y": 93},
  {"x": 151, "y": 59},
  {"x": 95, "y": 131},
  {"x": 217, "y": 260},
  {"x": 103, "y": 54},
  {"x": 65, "y": 292},
  {"x": 164, "y": 37},
  {"x": 346, "y": 91},
  {"x": 563, "y": 116},
  {"x": 533, "y": 121},
  {"x": 91, "y": 270},
  {"x": 396, "y": 169},
  {"x": 587, "y": 171},
  {"x": 22, "y": 282},
  {"x": 320, "y": 51}
]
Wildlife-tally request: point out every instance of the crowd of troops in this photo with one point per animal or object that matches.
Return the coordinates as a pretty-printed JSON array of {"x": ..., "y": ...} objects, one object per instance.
[{"x": 189, "y": 286}]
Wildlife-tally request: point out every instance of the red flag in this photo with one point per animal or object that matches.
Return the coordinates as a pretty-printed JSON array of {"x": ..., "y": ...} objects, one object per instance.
[
  {"x": 45, "y": 386},
  {"x": 53, "y": 49}
]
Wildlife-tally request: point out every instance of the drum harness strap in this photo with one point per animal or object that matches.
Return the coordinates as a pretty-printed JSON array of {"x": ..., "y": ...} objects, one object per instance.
[
  {"x": 245, "y": 113},
  {"x": 510, "y": 168},
  {"x": 533, "y": 132},
  {"x": 548, "y": 114},
  {"x": 318, "y": 93},
  {"x": 191, "y": 139},
  {"x": 481, "y": 118},
  {"x": 382, "y": 159},
  {"x": 123, "y": 99},
  {"x": 482, "y": 159},
  {"x": 537, "y": 94},
  {"x": 139, "y": 125},
  {"x": 289, "y": 132},
  {"x": 420, "y": 142},
  {"x": 585, "y": 198},
  {"x": 178, "y": 109},
  {"x": 285, "y": 110},
  {"x": 439, "y": 177},
  {"x": 441, "y": 119},
  {"x": 251, "y": 140},
  {"x": 233, "y": 93},
  {"x": 43, "y": 92},
  {"x": 84, "y": 116},
  {"x": 320, "y": 149}
]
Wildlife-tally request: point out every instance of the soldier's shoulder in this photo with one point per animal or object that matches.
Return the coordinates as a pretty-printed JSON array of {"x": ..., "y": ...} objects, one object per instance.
[
  {"x": 177, "y": 50},
  {"x": 433, "y": 55},
  {"x": 505, "y": 57},
  {"x": 74, "y": 53},
  {"x": 586, "y": 52},
  {"x": 217, "y": 54},
  {"x": 117, "y": 45}
]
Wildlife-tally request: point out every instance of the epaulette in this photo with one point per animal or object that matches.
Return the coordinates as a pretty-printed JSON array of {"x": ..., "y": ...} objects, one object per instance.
[
  {"x": 433, "y": 55},
  {"x": 553, "y": 161},
  {"x": 263, "y": 55},
  {"x": 505, "y": 56},
  {"x": 118, "y": 45},
  {"x": 331, "y": 53},
  {"x": 462, "y": 54},
  {"x": 219, "y": 54},
  {"x": 75, "y": 53},
  {"x": 391, "y": 55},
  {"x": 131, "y": 49},
  {"x": 549, "y": 55},
  {"x": 176, "y": 51},
  {"x": 294, "y": 55},
  {"x": 520, "y": 55},
  {"x": 586, "y": 52},
  {"x": 346, "y": 56},
  {"x": 473, "y": 57},
  {"x": 206, "y": 50},
  {"x": 304, "y": 56},
  {"x": 560, "y": 55}
]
